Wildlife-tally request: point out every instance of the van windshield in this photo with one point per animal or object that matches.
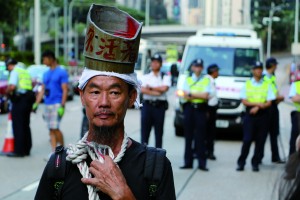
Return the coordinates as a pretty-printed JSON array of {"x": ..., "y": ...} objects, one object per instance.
[{"x": 232, "y": 61}]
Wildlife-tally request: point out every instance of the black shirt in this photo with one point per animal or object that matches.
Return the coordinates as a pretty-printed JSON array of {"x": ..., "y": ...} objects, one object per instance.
[{"x": 132, "y": 167}]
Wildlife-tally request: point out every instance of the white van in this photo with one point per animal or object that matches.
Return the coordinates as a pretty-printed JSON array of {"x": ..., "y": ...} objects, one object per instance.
[{"x": 234, "y": 50}]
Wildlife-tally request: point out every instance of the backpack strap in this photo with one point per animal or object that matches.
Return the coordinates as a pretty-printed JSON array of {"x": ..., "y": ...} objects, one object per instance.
[
  {"x": 57, "y": 170},
  {"x": 154, "y": 166}
]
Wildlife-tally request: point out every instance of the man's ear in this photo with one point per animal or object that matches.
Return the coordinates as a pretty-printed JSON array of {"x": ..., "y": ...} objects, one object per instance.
[
  {"x": 132, "y": 98},
  {"x": 81, "y": 98}
]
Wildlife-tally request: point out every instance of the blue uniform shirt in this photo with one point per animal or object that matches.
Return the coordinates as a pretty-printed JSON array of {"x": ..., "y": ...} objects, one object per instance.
[
  {"x": 292, "y": 90},
  {"x": 271, "y": 96}
]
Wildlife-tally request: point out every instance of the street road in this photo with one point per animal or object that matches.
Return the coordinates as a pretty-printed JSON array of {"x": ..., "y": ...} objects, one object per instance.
[{"x": 19, "y": 176}]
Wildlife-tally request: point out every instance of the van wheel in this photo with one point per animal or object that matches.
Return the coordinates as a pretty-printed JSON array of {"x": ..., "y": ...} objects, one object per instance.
[{"x": 179, "y": 131}]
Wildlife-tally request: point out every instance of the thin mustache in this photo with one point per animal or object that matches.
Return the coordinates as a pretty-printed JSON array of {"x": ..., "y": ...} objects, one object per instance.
[{"x": 104, "y": 111}]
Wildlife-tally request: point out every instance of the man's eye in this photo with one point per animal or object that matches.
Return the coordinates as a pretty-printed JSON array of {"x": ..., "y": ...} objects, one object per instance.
[
  {"x": 94, "y": 92},
  {"x": 115, "y": 92}
]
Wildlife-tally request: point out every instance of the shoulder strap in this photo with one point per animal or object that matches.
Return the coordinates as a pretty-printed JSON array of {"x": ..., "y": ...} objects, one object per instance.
[
  {"x": 57, "y": 170},
  {"x": 57, "y": 164},
  {"x": 154, "y": 166}
]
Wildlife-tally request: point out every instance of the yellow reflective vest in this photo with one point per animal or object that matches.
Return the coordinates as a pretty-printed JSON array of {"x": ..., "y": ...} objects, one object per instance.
[
  {"x": 297, "y": 86},
  {"x": 197, "y": 87},
  {"x": 24, "y": 82},
  {"x": 272, "y": 82},
  {"x": 257, "y": 94}
]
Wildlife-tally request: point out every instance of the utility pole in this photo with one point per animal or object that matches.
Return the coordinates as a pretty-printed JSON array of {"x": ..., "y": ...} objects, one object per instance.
[
  {"x": 147, "y": 18},
  {"x": 65, "y": 30},
  {"x": 37, "y": 32},
  {"x": 296, "y": 45}
]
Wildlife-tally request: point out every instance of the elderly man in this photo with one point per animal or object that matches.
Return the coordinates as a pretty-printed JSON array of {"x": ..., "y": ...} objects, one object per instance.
[{"x": 106, "y": 163}]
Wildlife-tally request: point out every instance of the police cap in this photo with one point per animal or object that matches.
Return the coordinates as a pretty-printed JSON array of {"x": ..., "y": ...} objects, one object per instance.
[
  {"x": 156, "y": 57},
  {"x": 10, "y": 61},
  {"x": 257, "y": 64},
  {"x": 197, "y": 63},
  {"x": 271, "y": 61},
  {"x": 212, "y": 68}
]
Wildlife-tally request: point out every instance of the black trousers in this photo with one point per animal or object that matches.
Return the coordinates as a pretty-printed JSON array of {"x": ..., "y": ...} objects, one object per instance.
[
  {"x": 21, "y": 109},
  {"x": 273, "y": 132},
  {"x": 295, "y": 119},
  {"x": 211, "y": 129},
  {"x": 195, "y": 121},
  {"x": 254, "y": 129},
  {"x": 152, "y": 116}
]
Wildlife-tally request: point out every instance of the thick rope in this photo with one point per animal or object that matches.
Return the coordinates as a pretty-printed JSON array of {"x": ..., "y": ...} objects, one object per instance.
[{"x": 77, "y": 154}]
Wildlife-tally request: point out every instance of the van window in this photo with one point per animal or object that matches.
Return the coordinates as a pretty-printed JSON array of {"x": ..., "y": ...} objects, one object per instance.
[
  {"x": 232, "y": 61},
  {"x": 138, "y": 64}
]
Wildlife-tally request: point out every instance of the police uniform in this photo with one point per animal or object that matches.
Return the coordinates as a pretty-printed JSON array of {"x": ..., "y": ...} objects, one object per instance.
[
  {"x": 22, "y": 99},
  {"x": 154, "y": 107},
  {"x": 254, "y": 125},
  {"x": 274, "y": 115},
  {"x": 295, "y": 116},
  {"x": 195, "y": 119},
  {"x": 212, "y": 113}
]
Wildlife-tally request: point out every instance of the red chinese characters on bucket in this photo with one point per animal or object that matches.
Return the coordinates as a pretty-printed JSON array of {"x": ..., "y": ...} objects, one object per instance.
[{"x": 110, "y": 48}]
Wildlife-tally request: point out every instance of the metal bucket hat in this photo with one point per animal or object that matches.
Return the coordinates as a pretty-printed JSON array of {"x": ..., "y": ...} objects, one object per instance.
[
  {"x": 112, "y": 40},
  {"x": 111, "y": 46}
]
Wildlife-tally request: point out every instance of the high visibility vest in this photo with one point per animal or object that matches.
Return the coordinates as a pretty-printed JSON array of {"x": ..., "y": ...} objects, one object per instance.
[
  {"x": 257, "y": 94},
  {"x": 297, "y": 86},
  {"x": 197, "y": 87},
  {"x": 24, "y": 79},
  {"x": 272, "y": 81}
]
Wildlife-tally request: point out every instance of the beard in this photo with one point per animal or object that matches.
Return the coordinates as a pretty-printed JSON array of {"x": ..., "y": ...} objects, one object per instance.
[{"x": 106, "y": 135}]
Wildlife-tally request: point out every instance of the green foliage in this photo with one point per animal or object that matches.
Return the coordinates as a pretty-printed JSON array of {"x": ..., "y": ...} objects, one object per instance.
[{"x": 25, "y": 57}]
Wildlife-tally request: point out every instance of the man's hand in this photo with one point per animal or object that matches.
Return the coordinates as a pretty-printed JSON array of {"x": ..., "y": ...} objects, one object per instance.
[
  {"x": 254, "y": 110},
  {"x": 109, "y": 179},
  {"x": 35, "y": 106},
  {"x": 61, "y": 111},
  {"x": 279, "y": 99}
]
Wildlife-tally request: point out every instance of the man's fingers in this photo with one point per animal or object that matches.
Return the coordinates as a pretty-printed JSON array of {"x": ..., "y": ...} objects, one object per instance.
[{"x": 89, "y": 181}]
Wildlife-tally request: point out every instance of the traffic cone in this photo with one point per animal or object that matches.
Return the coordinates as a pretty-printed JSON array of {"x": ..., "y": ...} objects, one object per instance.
[{"x": 8, "y": 146}]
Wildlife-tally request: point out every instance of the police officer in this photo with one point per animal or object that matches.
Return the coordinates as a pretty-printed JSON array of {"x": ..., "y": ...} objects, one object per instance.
[
  {"x": 154, "y": 88},
  {"x": 273, "y": 129},
  {"x": 294, "y": 95},
  {"x": 256, "y": 95},
  {"x": 195, "y": 94},
  {"x": 212, "y": 74},
  {"x": 20, "y": 92}
]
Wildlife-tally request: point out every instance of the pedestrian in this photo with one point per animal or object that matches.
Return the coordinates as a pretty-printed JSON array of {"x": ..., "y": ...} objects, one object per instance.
[
  {"x": 294, "y": 95},
  {"x": 289, "y": 182},
  {"x": 174, "y": 74},
  {"x": 256, "y": 95},
  {"x": 106, "y": 163},
  {"x": 54, "y": 92},
  {"x": 154, "y": 89},
  {"x": 196, "y": 92},
  {"x": 212, "y": 74},
  {"x": 273, "y": 127},
  {"x": 20, "y": 93}
]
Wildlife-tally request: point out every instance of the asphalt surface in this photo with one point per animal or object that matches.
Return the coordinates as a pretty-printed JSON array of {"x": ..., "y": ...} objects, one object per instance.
[{"x": 19, "y": 176}]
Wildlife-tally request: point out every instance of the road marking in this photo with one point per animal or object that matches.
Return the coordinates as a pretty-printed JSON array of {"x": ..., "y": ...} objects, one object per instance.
[{"x": 30, "y": 187}]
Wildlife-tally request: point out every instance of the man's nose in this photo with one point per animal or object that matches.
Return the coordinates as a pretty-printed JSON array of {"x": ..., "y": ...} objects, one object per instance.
[{"x": 104, "y": 99}]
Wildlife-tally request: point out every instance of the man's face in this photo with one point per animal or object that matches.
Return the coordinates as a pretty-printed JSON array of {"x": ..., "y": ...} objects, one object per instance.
[
  {"x": 106, "y": 100},
  {"x": 257, "y": 72},
  {"x": 47, "y": 61},
  {"x": 155, "y": 65},
  {"x": 10, "y": 67},
  {"x": 197, "y": 69}
]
